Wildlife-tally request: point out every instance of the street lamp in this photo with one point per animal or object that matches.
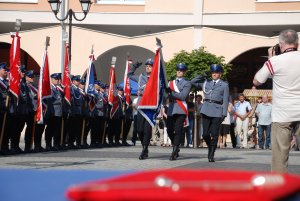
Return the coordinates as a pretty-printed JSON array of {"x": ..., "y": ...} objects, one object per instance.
[{"x": 55, "y": 6}]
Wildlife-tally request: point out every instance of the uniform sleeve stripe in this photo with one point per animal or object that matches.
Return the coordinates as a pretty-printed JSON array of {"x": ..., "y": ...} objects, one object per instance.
[{"x": 270, "y": 67}]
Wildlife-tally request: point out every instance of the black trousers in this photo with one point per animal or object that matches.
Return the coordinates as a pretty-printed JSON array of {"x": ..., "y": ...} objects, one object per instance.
[
  {"x": 175, "y": 128},
  {"x": 29, "y": 129},
  {"x": 16, "y": 127},
  {"x": 87, "y": 128},
  {"x": 75, "y": 125},
  {"x": 211, "y": 126},
  {"x": 6, "y": 133},
  {"x": 39, "y": 130},
  {"x": 53, "y": 131},
  {"x": 126, "y": 128},
  {"x": 114, "y": 130},
  {"x": 232, "y": 135},
  {"x": 134, "y": 134},
  {"x": 97, "y": 125},
  {"x": 144, "y": 129}
]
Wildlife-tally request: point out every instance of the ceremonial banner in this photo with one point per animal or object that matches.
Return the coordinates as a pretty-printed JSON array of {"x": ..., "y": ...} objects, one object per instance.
[
  {"x": 14, "y": 59},
  {"x": 89, "y": 84},
  {"x": 66, "y": 82},
  {"x": 112, "y": 96},
  {"x": 127, "y": 90},
  {"x": 152, "y": 98},
  {"x": 44, "y": 88}
]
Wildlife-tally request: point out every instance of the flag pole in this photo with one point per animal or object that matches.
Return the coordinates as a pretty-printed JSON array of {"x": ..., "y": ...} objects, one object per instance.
[{"x": 124, "y": 104}]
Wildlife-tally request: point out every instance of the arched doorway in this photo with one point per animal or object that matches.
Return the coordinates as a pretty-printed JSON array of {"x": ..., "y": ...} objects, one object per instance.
[
  {"x": 26, "y": 59},
  {"x": 103, "y": 61},
  {"x": 244, "y": 68}
]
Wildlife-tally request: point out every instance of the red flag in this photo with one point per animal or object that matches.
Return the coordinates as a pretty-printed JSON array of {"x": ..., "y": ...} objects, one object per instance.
[
  {"x": 112, "y": 96},
  {"x": 14, "y": 79},
  {"x": 66, "y": 82},
  {"x": 127, "y": 91},
  {"x": 44, "y": 88}
]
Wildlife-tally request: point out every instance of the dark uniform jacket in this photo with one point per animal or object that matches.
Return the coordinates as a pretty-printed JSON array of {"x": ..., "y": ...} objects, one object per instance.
[
  {"x": 24, "y": 99},
  {"x": 54, "y": 103},
  {"x": 100, "y": 107},
  {"x": 3, "y": 94},
  {"x": 77, "y": 101},
  {"x": 32, "y": 104}
]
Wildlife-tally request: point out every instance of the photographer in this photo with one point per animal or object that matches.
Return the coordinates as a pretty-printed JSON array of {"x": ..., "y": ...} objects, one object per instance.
[{"x": 284, "y": 70}]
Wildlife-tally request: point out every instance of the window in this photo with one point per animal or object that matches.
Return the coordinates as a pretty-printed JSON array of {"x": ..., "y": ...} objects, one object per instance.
[
  {"x": 18, "y": 1},
  {"x": 130, "y": 2}
]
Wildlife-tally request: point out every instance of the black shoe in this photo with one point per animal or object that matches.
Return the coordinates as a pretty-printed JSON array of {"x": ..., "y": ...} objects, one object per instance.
[
  {"x": 71, "y": 146},
  {"x": 174, "y": 154},
  {"x": 38, "y": 149},
  {"x": 211, "y": 160},
  {"x": 144, "y": 153},
  {"x": 5, "y": 152},
  {"x": 48, "y": 148},
  {"x": 118, "y": 144},
  {"x": 56, "y": 148},
  {"x": 28, "y": 150},
  {"x": 16, "y": 150},
  {"x": 125, "y": 144}
]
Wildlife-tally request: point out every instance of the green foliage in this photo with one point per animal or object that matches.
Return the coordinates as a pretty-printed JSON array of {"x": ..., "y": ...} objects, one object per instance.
[{"x": 198, "y": 62}]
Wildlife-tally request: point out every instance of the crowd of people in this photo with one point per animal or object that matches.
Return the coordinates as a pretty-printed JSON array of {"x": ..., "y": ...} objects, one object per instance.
[{"x": 186, "y": 119}]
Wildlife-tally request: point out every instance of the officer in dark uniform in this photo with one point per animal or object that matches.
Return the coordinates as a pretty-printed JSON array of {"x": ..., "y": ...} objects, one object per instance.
[
  {"x": 85, "y": 114},
  {"x": 143, "y": 127},
  {"x": 21, "y": 114},
  {"x": 32, "y": 106},
  {"x": 177, "y": 111},
  {"x": 54, "y": 115},
  {"x": 3, "y": 107},
  {"x": 75, "y": 118},
  {"x": 215, "y": 106}
]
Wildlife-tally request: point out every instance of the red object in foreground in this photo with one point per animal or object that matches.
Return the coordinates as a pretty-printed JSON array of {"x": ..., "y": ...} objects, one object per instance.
[{"x": 191, "y": 185}]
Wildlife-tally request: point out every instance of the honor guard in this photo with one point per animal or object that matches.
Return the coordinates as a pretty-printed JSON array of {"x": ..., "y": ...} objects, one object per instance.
[
  {"x": 3, "y": 109},
  {"x": 54, "y": 115},
  {"x": 144, "y": 129},
  {"x": 97, "y": 115},
  {"x": 32, "y": 106},
  {"x": 23, "y": 108},
  {"x": 177, "y": 111},
  {"x": 115, "y": 123},
  {"x": 85, "y": 115},
  {"x": 215, "y": 106},
  {"x": 75, "y": 119}
]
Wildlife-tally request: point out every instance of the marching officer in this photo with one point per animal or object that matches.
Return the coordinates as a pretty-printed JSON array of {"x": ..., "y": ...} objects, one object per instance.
[
  {"x": 54, "y": 115},
  {"x": 215, "y": 106},
  {"x": 177, "y": 111},
  {"x": 4, "y": 136},
  {"x": 75, "y": 119},
  {"x": 32, "y": 106},
  {"x": 143, "y": 127}
]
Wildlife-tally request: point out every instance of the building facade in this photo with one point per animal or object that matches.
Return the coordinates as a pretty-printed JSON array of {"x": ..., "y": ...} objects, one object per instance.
[{"x": 241, "y": 31}]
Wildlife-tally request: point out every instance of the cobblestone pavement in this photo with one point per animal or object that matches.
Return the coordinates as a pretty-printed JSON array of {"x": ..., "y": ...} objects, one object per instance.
[{"x": 126, "y": 158}]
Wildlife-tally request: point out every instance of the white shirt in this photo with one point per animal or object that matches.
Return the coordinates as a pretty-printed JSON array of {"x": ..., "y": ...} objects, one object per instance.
[
  {"x": 134, "y": 108},
  {"x": 241, "y": 108},
  {"x": 285, "y": 71}
]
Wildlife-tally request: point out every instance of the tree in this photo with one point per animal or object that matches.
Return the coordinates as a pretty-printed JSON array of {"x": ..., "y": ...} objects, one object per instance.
[{"x": 198, "y": 62}]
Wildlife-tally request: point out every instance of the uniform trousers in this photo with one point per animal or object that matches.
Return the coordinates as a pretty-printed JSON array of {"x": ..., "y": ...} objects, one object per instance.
[
  {"x": 53, "y": 131},
  {"x": 18, "y": 123},
  {"x": 114, "y": 130},
  {"x": 87, "y": 128},
  {"x": 126, "y": 128},
  {"x": 75, "y": 130},
  {"x": 144, "y": 130},
  {"x": 39, "y": 130},
  {"x": 281, "y": 141},
  {"x": 6, "y": 133},
  {"x": 97, "y": 126},
  {"x": 175, "y": 128},
  {"x": 29, "y": 130},
  {"x": 211, "y": 126}
]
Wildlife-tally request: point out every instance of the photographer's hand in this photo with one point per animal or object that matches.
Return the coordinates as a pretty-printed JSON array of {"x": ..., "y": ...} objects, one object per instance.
[{"x": 271, "y": 52}]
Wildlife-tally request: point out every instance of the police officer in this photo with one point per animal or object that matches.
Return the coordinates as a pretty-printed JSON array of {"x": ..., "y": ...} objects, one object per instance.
[
  {"x": 177, "y": 111},
  {"x": 75, "y": 118},
  {"x": 143, "y": 127},
  {"x": 22, "y": 112},
  {"x": 54, "y": 115},
  {"x": 215, "y": 106},
  {"x": 3, "y": 107},
  {"x": 97, "y": 115},
  {"x": 32, "y": 106}
]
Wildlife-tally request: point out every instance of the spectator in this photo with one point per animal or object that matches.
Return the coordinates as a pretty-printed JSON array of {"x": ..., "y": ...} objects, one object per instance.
[
  {"x": 283, "y": 68},
  {"x": 224, "y": 128},
  {"x": 263, "y": 111},
  {"x": 242, "y": 110}
]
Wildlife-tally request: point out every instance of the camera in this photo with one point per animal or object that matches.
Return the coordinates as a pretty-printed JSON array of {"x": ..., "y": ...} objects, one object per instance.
[{"x": 276, "y": 49}]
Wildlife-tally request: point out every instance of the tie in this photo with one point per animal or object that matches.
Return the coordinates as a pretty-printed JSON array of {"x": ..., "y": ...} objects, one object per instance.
[
  {"x": 214, "y": 83},
  {"x": 177, "y": 80}
]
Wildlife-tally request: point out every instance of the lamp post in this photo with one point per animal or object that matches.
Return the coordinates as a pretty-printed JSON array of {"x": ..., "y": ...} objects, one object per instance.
[{"x": 55, "y": 6}]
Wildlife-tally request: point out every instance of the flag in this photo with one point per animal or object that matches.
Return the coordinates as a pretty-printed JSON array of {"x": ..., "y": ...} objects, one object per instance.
[
  {"x": 66, "y": 82},
  {"x": 112, "y": 96},
  {"x": 152, "y": 98},
  {"x": 14, "y": 59},
  {"x": 127, "y": 90},
  {"x": 89, "y": 84},
  {"x": 44, "y": 88}
]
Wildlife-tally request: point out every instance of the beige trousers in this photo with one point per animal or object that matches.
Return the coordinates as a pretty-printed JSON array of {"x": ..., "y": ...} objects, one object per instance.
[
  {"x": 281, "y": 140},
  {"x": 242, "y": 125}
]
